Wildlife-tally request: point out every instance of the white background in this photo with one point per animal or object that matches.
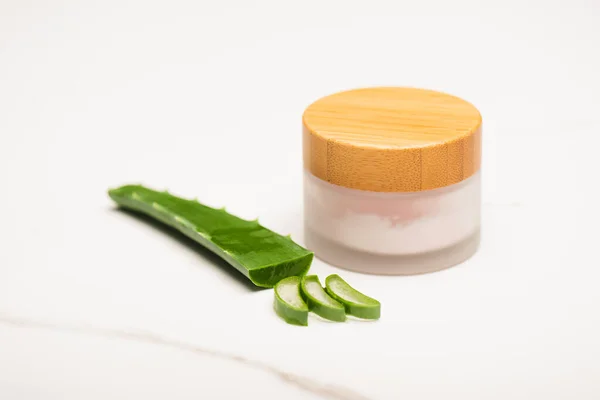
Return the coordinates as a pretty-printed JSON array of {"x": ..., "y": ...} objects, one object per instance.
[{"x": 204, "y": 98}]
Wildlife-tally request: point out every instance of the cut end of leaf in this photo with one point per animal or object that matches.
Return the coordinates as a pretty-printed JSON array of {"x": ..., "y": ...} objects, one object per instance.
[{"x": 270, "y": 275}]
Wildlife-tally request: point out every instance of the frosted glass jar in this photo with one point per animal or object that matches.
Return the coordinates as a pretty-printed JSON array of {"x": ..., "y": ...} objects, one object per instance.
[{"x": 392, "y": 180}]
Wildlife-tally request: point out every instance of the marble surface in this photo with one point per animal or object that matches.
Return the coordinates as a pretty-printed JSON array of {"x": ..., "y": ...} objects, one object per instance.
[{"x": 205, "y": 100}]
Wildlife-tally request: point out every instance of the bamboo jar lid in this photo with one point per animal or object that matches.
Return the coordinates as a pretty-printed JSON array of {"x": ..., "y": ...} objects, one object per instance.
[{"x": 392, "y": 139}]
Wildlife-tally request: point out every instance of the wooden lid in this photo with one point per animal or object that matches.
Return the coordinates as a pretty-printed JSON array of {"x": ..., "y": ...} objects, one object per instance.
[{"x": 392, "y": 139}]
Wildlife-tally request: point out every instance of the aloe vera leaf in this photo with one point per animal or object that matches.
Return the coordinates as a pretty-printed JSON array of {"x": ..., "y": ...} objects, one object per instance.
[
  {"x": 289, "y": 304},
  {"x": 355, "y": 303},
  {"x": 319, "y": 301},
  {"x": 262, "y": 255}
]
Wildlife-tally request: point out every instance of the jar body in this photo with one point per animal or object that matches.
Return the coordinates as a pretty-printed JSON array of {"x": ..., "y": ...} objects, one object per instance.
[{"x": 392, "y": 233}]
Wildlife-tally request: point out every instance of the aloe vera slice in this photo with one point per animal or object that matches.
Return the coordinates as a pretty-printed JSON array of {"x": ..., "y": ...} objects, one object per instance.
[
  {"x": 319, "y": 301},
  {"x": 289, "y": 304},
  {"x": 262, "y": 255},
  {"x": 355, "y": 302}
]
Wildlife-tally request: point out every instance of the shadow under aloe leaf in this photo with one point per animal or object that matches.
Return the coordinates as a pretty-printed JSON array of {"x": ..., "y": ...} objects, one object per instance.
[{"x": 203, "y": 252}]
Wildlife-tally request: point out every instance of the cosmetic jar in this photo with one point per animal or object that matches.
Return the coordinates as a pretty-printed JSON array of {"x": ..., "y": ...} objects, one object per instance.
[{"x": 392, "y": 181}]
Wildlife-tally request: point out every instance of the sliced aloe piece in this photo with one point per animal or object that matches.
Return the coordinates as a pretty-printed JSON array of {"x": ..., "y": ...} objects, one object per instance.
[
  {"x": 289, "y": 304},
  {"x": 355, "y": 302},
  {"x": 262, "y": 255},
  {"x": 319, "y": 301}
]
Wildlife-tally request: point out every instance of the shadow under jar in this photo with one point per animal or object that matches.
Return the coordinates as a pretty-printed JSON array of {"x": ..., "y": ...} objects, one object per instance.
[{"x": 392, "y": 180}]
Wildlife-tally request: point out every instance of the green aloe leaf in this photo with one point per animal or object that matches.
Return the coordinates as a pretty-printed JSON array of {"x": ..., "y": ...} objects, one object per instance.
[
  {"x": 319, "y": 301},
  {"x": 289, "y": 304},
  {"x": 263, "y": 256},
  {"x": 356, "y": 303}
]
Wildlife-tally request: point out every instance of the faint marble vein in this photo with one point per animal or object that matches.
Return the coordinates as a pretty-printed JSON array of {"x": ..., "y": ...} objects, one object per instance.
[{"x": 326, "y": 391}]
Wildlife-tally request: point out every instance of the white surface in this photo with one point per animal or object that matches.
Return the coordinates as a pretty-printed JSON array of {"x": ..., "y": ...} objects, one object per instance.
[{"x": 205, "y": 98}]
